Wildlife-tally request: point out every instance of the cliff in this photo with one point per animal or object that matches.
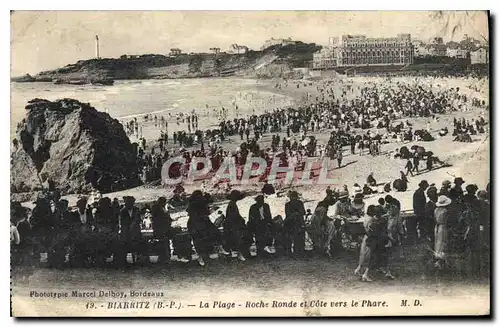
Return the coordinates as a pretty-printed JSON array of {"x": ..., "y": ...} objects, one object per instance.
[
  {"x": 275, "y": 61},
  {"x": 74, "y": 145}
]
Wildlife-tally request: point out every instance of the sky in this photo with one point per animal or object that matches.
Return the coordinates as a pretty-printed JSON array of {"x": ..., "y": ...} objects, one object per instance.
[{"x": 42, "y": 40}]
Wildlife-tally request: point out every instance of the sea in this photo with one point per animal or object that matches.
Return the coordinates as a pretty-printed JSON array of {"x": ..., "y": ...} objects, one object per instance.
[{"x": 131, "y": 98}]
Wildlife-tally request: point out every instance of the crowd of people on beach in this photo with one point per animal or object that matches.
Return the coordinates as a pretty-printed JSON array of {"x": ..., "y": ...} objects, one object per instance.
[{"x": 362, "y": 117}]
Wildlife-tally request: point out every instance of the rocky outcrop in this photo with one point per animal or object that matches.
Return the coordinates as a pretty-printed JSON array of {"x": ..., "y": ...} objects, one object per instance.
[
  {"x": 24, "y": 79},
  {"x": 74, "y": 145}
]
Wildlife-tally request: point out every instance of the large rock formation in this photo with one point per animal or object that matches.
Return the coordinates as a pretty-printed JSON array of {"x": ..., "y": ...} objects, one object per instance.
[{"x": 74, "y": 145}]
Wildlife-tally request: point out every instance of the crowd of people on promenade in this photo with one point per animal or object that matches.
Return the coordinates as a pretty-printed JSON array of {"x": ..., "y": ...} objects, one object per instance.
[
  {"x": 448, "y": 72},
  {"x": 449, "y": 219}
]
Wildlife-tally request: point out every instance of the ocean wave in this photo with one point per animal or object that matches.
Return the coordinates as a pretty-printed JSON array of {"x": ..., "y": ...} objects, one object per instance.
[
  {"x": 166, "y": 82},
  {"x": 147, "y": 83},
  {"x": 134, "y": 98},
  {"x": 190, "y": 84},
  {"x": 145, "y": 113}
]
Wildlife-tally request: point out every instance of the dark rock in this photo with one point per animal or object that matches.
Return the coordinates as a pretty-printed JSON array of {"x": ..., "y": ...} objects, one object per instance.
[
  {"x": 23, "y": 79},
  {"x": 73, "y": 147}
]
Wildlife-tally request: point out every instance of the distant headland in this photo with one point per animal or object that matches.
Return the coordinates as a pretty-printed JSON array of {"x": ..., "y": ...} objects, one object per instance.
[{"x": 274, "y": 61}]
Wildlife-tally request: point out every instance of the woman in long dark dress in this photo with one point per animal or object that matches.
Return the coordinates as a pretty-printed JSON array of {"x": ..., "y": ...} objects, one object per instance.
[
  {"x": 130, "y": 232},
  {"x": 469, "y": 222},
  {"x": 203, "y": 232},
  {"x": 234, "y": 227},
  {"x": 295, "y": 227},
  {"x": 316, "y": 229},
  {"x": 382, "y": 253},
  {"x": 373, "y": 252}
]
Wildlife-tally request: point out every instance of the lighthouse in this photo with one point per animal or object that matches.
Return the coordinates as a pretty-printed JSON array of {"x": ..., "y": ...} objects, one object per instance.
[{"x": 97, "y": 46}]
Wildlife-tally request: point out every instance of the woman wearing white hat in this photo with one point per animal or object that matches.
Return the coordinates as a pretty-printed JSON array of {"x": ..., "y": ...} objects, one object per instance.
[{"x": 441, "y": 230}]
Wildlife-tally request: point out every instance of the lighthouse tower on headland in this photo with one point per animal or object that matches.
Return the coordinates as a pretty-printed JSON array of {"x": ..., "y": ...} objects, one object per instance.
[{"x": 97, "y": 46}]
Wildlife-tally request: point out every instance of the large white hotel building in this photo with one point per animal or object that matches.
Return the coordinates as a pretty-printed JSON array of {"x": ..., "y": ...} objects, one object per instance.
[{"x": 359, "y": 50}]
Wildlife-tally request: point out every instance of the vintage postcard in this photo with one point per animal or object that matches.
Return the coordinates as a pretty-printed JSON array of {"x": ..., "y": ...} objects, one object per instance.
[{"x": 250, "y": 163}]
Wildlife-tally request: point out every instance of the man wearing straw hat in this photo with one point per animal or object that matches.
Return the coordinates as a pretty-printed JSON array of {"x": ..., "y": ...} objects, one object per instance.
[
  {"x": 458, "y": 181},
  {"x": 445, "y": 188}
]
